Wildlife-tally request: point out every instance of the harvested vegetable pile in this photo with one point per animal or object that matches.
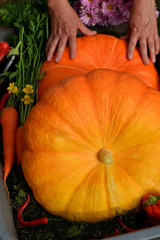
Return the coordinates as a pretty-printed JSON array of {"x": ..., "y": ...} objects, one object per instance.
[{"x": 31, "y": 23}]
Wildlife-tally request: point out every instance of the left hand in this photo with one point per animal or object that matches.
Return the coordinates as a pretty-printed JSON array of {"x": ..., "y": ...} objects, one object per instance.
[{"x": 143, "y": 29}]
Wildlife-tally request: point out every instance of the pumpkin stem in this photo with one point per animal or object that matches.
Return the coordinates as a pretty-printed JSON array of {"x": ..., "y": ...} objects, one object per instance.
[{"x": 105, "y": 155}]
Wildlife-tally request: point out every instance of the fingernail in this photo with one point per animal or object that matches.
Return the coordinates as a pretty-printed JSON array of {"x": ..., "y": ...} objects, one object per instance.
[
  {"x": 146, "y": 61},
  {"x": 129, "y": 57},
  {"x": 73, "y": 55},
  {"x": 56, "y": 59},
  {"x": 153, "y": 60},
  {"x": 49, "y": 58}
]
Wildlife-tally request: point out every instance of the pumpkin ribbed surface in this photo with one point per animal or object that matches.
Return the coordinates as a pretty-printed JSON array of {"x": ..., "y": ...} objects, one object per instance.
[
  {"x": 92, "y": 145},
  {"x": 94, "y": 52}
]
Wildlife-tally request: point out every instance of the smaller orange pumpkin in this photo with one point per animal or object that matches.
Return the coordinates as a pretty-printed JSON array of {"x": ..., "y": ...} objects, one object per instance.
[{"x": 95, "y": 52}]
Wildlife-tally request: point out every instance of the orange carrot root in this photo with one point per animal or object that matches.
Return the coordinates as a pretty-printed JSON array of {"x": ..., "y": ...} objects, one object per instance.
[
  {"x": 19, "y": 144},
  {"x": 9, "y": 123}
]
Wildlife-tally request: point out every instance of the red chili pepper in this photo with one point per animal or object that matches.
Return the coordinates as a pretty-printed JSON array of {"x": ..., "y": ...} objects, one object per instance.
[
  {"x": 116, "y": 232},
  {"x": 151, "y": 206},
  {"x": 4, "y": 99},
  {"x": 38, "y": 221},
  {"x": 4, "y": 50},
  {"x": 127, "y": 229}
]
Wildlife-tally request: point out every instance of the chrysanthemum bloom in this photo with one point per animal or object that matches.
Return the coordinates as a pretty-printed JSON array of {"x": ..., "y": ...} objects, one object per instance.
[
  {"x": 89, "y": 16},
  {"x": 103, "y": 21},
  {"x": 104, "y": 12},
  {"x": 111, "y": 13},
  {"x": 123, "y": 10},
  {"x": 89, "y": 3},
  {"x": 108, "y": 8}
]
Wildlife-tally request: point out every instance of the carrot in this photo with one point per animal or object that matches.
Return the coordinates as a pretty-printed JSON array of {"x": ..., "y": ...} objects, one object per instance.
[
  {"x": 19, "y": 144},
  {"x": 9, "y": 123}
]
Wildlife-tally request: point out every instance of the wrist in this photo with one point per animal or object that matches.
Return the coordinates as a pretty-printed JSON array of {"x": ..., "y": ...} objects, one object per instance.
[
  {"x": 144, "y": 1},
  {"x": 143, "y": 5},
  {"x": 55, "y": 3}
]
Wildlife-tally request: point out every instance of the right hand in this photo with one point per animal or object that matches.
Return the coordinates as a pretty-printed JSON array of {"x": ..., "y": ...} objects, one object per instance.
[
  {"x": 64, "y": 25},
  {"x": 143, "y": 29}
]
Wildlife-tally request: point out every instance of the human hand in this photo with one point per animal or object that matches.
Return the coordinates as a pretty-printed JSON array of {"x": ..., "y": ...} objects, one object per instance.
[
  {"x": 64, "y": 25},
  {"x": 143, "y": 28}
]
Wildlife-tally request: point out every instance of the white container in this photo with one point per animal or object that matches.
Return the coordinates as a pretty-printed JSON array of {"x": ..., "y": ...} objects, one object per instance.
[{"x": 7, "y": 228}]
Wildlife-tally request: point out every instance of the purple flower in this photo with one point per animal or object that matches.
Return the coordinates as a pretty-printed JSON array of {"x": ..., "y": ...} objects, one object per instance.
[
  {"x": 103, "y": 21},
  {"x": 89, "y": 16},
  {"x": 110, "y": 12},
  {"x": 157, "y": 13},
  {"x": 104, "y": 12},
  {"x": 108, "y": 8},
  {"x": 123, "y": 9},
  {"x": 89, "y": 3}
]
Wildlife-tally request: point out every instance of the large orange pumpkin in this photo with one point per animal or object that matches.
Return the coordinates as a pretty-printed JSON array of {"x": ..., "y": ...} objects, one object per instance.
[
  {"x": 94, "y": 52},
  {"x": 92, "y": 145}
]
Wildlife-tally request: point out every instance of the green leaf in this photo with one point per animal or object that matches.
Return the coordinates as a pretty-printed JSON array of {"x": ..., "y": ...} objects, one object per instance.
[
  {"x": 73, "y": 231},
  {"x": 4, "y": 11},
  {"x": 15, "y": 187},
  {"x": 21, "y": 193}
]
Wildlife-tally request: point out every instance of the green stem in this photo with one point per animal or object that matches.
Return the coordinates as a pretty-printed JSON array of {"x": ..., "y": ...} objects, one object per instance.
[
  {"x": 22, "y": 59},
  {"x": 38, "y": 24},
  {"x": 15, "y": 51},
  {"x": 150, "y": 201},
  {"x": 25, "y": 113}
]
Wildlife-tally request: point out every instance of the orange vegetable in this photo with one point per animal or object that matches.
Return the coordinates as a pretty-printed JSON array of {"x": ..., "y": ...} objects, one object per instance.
[
  {"x": 9, "y": 123},
  {"x": 151, "y": 207},
  {"x": 92, "y": 145},
  {"x": 95, "y": 52},
  {"x": 19, "y": 144}
]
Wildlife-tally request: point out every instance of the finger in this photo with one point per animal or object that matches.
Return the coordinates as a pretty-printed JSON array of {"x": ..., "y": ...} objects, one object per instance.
[
  {"x": 48, "y": 44},
  {"x": 86, "y": 31},
  {"x": 72, "y": 46},
  {"x": 157, "y": 44},
  {"x": 52, "y": 48},
  {"x": 131, "y": 46},
  {"x": 151, "y": 47},
  {"x": 143, "y": 50},
  {"x": 60, "y": 49}
]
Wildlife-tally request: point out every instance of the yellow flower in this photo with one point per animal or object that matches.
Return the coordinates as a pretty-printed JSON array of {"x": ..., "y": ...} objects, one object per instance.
[
  {"x": 28, "y": 89},
  {"x": 12, "y": 88},
  {"x": 27, "y": 99}
]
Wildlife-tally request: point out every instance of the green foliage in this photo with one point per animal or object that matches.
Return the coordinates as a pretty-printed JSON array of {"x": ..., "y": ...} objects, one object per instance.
[
  {"x": 12, "y": 12},
  {"x": 30, "y": 19}
]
